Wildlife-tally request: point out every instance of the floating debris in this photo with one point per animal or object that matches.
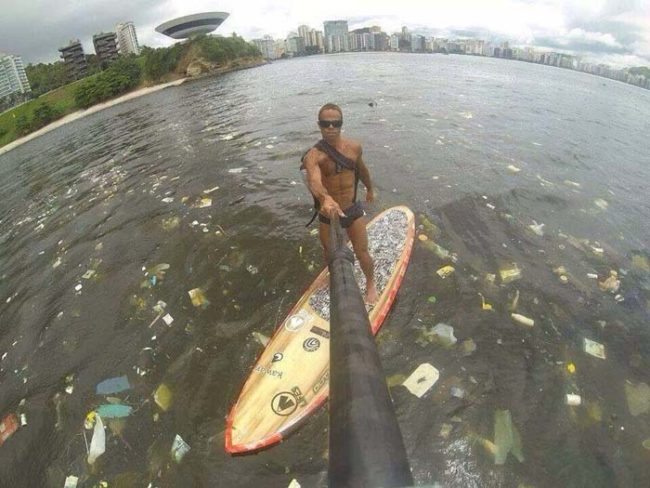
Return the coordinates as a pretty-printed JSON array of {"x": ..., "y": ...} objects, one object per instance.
[
  {"x": 468, "y": 346},
  {"x": 513, "y": 169},
  {"x": 235, "y": 171},
  {"x": 78, "y": 287},
  {"x": 573, "y": 400},
  {"x": 594, "y": 348},
  {"x": 168, "y": 200},
  {"x": 522, "y": 319},
  {"x": 170, "y": 223},
  {"x": 510, "y": 274},
  {"x": 422, "y": 379},
  {"x": 611, "y": 284},
  {"x": 179, "y": 449},
  {"x": 432, "y": 299},
  {"x": 506, "y": 438},
  {"x": 484, "y": 304},
  {"x": 198, "y": 298},
  {"x": 113, "y": 410},
  {"x": 572, "y": 183},
  {"x": 601, "y": 204},
  {"x": 423, "y": 237},
  {"x": 163, "y": 397},
  {"x": 168, "y": 319},
  {"x": 571, "y": 368},
  {"x": 207, "y": 192},
  {"x": 98, "y": 442},
  {"x": 204, "y": 203},
  {"x": 445, "y": 271},
  {"x": 8, "y": 426},
  {"x": 71, "y": 482},
  {"x": 538, "y": 229},
  {"x": 638, "y": 398},
  {"x": 445, "y": 430},
  {"x": 261, "y": 338},
  {"x": 113, "y": 385},
  {"x": 88, "y": 274},
  {"x": 442, "y": 334}
]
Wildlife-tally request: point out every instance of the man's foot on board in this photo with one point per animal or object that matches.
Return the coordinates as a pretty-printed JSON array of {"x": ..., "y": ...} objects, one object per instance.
[{"x": 371, "y": 295}]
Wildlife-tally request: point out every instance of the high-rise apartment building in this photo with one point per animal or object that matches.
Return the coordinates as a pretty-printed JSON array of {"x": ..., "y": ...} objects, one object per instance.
[
  {"x": 75, "y": 60},
  {"x": 12, "y": 76},
  {"x": 127, "y": 39},
  {"x": 336, "y": 36},
  {"x": 266, "y": 47},
  {"x": 105, "y": 46}
]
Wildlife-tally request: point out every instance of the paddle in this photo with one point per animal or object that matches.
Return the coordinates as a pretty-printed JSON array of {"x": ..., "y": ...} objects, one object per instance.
[{"x": 365, "y": 444}]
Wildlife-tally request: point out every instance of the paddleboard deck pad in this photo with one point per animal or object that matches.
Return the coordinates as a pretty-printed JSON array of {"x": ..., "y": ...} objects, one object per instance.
[{"x": 290, "y": 379}]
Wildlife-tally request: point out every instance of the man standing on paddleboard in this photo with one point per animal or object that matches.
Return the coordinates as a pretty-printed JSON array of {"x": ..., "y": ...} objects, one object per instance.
[{"x": 334, "y": 167}]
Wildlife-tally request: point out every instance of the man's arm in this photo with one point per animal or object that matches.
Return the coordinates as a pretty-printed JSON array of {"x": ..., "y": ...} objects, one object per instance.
[
  {"x": 364, "y": 176},
  {"x": 315, "y": 184}
]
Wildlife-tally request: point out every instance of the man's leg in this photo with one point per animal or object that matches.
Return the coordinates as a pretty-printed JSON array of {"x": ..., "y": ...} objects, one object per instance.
[{"x": 359, "y": 237}]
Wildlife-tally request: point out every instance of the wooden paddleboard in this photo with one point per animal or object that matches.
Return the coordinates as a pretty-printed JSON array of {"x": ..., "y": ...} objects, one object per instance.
[{"x": 290, "y": 380}]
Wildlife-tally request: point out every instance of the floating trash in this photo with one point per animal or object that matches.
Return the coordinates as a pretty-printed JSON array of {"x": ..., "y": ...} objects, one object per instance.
[
  {"x": 510, "y": 274},
  {"x": 445, "y": 430},
  {"x": 179, "y": 449},
  {"x": 113, "y": 385},
  {"x": 8, "y": 426},
  {"x": 522, "y": 319},
  {"x": 204, "y": 203},
  {"x": 445, "y": 271},
  {"x": 422, "y": 237},
  {"x": 71, "y": 482},
  {"x": 611, "y": 284},
  {"x": 235, "y": 171},
  {"x": 168, "y": 200},
  {"x": 252, "y": 269},
  {"x": 484, "y": 304},
  {"x": 207, "y": 192},
  {"x": 441, "y": 334},
  {"x": 432, "y": 299},
  {"x": 438, "y": 250},
  {"x": 646, "y": 444},
  {"x": 88, "y": 274},
  {"x": 261, "y": 338},
  {"x": 113, "y": 410},
  {"x": 294, "y": 484},
  {"x": 429, "y": 227},
  {"x": 573, "y": 400},
  {"x": 198, "y": 298},
  {"x": 98, "y": 442},
  {"x": 513, "y": 169},
  {"x": 457, "y": 392},
  {"x": 163, "y": 397},
  {"x": 506, "y": 438},
  {"x": 168, "y": 319},
  {"x": 78, "y": 287},
  {"x": 571, "y": 368},
  {"x": 538, "y": 229},
  {"x": 601, "y": 204},
  {"x": 594, "y": 348},
  {"x": 572, "y": 183},
  {"x": 468, "y": 346},
  {"x": 422, "y": 379},
  {"x": 638, "y": 398},
  {"x": 170, "y": 223}
]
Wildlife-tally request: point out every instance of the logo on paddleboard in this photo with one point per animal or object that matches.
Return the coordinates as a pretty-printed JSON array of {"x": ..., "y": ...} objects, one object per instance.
[
  {"x": 321, "y": 332},
  {"x": 311, "y": 344},
  {"x": 277, "y": 357},
  {"x": 286, "y": 402}
]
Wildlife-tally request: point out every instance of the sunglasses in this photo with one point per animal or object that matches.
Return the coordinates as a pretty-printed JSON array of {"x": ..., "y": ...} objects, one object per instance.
[{"x": 330, "y": 123}]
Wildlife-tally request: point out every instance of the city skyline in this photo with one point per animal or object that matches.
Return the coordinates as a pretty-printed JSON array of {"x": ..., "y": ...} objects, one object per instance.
[{"x": 610, "y": 32}]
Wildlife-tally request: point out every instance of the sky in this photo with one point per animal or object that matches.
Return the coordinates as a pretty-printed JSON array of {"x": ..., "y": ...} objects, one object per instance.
[{"x": 614, "y": 32}]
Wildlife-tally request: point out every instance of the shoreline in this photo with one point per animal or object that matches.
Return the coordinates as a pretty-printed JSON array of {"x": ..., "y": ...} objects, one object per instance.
[{"x": 79, "y": 114}]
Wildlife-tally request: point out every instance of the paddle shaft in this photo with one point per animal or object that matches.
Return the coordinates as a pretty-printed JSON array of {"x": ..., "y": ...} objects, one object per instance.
[{"x": 365, "y": 443}]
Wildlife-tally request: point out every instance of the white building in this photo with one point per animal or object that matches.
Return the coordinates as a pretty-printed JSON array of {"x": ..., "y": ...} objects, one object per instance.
[
  {"x": 127, "y": 39},
  {"x": 266, "y": 47},
  {"x": 12, "y": 76}
]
